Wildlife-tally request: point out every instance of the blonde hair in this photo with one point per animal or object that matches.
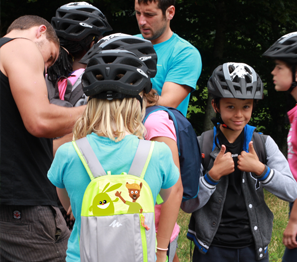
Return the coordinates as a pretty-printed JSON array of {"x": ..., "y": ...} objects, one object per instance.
[{"x": 111, "y": 119}]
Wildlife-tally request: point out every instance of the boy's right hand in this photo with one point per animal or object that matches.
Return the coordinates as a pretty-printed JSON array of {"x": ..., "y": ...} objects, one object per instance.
[{"x": 223, "y": 165}]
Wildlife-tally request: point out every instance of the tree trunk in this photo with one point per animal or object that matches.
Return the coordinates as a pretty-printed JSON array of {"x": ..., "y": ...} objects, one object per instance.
[{"x": 217, "y": 55}]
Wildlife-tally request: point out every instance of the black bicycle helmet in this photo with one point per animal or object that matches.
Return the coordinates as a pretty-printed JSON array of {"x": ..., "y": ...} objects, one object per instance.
[
  {"x": 115, "y": 74},
  {"x": 285, "y": 49},
  {"x": 235, "y": 80},
  {"x": 142, "y": 48},
  {"x": 75, "y": 21}
]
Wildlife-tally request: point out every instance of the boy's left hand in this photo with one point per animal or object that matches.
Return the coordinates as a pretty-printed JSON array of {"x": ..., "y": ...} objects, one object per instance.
[{"x": 249, "y": 162}]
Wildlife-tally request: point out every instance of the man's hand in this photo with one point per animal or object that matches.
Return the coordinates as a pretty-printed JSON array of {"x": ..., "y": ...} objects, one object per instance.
[
  {"x": 223, "y": 165},
  {"x": 249, "y": 162},
  {"x": 70, "y": 213}
]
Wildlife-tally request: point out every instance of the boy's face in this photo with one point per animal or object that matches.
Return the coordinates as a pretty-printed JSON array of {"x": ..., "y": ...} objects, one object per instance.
[
  {"x": 235, "y": 113},
  {"x": 282, "y": 76}
]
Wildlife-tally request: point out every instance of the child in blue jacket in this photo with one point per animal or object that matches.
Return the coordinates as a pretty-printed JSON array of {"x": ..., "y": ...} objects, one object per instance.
[{"x": 230, "y": 220}]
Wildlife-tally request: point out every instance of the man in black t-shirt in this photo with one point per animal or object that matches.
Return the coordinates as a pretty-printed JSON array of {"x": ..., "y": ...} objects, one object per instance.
[{"x": 31, "y": 226}]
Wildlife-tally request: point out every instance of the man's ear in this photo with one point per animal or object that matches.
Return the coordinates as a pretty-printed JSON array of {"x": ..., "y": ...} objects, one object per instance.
[
  {"x": 40, "y": 31},
  {"x": 214, "y": 106},
  {"x": 170, "y": 12}
]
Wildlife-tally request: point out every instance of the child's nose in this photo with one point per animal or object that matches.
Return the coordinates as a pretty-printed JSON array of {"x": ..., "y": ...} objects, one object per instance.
[
  {"x": 238, "y": 113},
  {"x": 273, "y": 72}
]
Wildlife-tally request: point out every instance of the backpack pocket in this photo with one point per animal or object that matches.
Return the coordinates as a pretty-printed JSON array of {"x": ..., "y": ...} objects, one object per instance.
[{"x": 118, "y": 238}]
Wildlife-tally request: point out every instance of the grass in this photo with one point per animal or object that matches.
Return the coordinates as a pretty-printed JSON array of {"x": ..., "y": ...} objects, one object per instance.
[{"x": 276, "y": 248}]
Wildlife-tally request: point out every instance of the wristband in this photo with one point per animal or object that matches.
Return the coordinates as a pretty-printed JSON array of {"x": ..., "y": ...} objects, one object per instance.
[{"x": 162, "y": 249}]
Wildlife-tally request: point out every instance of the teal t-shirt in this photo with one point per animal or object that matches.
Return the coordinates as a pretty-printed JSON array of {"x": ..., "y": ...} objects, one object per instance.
[
  {"x": 178, "y": 62},
  {"x": 67, "y": 171}
]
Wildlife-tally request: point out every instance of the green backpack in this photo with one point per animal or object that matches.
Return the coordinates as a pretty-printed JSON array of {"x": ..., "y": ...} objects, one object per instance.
[{"x": 117, "y": 214}]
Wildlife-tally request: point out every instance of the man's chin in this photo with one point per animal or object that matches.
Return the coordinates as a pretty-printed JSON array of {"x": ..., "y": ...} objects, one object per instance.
[{"x": 146, "y": 35}]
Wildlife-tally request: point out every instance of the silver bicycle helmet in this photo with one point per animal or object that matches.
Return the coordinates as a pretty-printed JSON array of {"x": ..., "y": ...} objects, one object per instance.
[
  {"x": 142, "y": 48},
  {"x": 75, "y": 21},
  {"x": 235, "y": 80}
]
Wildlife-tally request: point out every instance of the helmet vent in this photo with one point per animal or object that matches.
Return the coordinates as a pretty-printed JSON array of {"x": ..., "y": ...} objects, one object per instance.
[
  {"x": 99, "y": 77},
  {"x": 111, "y": 46},
  {"x": 132, "y": 62},
  {"x": 98, "y": 23},
  {"x": 236, "y": 79},
  {"x": 289, "y": 42},
  {"x": 109, "y": 59},
  {"x": 249, "y": 89},
  {"x": 221, "y": 77},
  {"x": 231, "y": 68},
  {"x": 248, "y": 79},
  {"x": 132, "y": 41},
  {"x": 79, "y": 30},
  {"x": 119, "y": 75},
  {"x": 80, "y": 18},
  {"x": 60, "y": 14},
  {"x": 248, "y": 70},
  {"x": 64, "y": 26},
  {"x": 89, "y": 10},
  {"x": 145, "y": 51}
]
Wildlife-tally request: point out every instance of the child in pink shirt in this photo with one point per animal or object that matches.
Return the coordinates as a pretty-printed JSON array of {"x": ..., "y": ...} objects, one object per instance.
[
  {"x": 161, "y": 128},
  {"x": 284, "y": 54}
]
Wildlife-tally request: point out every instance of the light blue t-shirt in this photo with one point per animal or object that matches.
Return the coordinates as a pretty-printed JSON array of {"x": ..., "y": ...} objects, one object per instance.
[
  {"x": 178, "y": 62},
  {"x": 67, "y": 171}
]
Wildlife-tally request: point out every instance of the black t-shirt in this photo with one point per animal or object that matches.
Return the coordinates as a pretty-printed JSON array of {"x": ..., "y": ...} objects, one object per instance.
[
  {"x": 234, "y": 229},
  {"x": 24, "y": 158}
]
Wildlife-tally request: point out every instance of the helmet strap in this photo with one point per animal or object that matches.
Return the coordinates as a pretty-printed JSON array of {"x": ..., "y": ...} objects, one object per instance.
[
  {"x": 218, "y": 121},
  {"x": 139, "y": 98},
  {"x": 294, "y": 83}
]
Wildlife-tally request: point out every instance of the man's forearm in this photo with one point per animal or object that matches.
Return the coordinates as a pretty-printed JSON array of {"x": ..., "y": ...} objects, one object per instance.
[{"x": 56, "y": 122}]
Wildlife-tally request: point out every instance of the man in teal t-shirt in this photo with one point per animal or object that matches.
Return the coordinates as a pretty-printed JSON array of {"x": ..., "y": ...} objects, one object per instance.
[{"x": 179, "y": 63}]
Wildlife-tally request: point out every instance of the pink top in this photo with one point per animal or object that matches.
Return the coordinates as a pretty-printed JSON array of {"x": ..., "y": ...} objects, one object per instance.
[
  {"x": 159, "y": 124},
  {"x": 62, "y": 84},
  {"x": 292, "y": 141}
]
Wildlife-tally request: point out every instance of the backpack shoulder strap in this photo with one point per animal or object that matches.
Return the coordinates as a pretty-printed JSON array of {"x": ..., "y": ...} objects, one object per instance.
[
  {"x": 259, "y": 145},
  {"x": 77, "y": 91},
  {"x": 76, "y": 94},
  {"x": 206, "y": 141},
  {"x": 50, "y": 89},
  {"x": 142, "y": 158},
  {"x": 88, "y": 158}
]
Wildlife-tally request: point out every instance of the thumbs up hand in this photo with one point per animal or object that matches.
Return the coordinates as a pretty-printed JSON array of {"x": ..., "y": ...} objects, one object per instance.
[
  {"x": 249, "y": 162},
  {"x": 223, "y": 165}
]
